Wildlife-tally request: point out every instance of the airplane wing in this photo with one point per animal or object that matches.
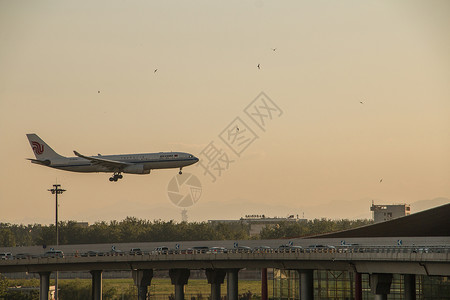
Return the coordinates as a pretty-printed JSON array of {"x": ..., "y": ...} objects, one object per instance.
[{"x": 113, "y": 164}]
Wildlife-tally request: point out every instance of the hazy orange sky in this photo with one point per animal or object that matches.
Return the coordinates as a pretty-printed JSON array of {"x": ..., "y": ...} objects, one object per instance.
[{"x": 326, "y": 147}]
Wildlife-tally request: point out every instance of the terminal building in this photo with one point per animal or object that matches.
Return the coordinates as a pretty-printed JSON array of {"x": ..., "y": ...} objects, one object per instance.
[
  {"x": 382, "y": 213},
  {"x": 339, "y": 284}
]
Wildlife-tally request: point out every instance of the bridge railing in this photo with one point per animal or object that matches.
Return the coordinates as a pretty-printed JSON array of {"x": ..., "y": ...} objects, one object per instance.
[{"x": 258, "y": 250}]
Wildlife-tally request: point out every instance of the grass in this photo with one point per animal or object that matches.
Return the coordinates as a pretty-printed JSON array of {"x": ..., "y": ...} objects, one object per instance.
[
  {"x": 163, "y": 286},
  {"x": 159, "y": 287}
]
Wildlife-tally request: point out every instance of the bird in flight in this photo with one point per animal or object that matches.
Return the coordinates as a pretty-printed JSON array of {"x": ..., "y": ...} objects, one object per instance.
[
  {"x": 361, "y": 102},
  {"x": 98, "y": 92},
  {"x": 155, "y": 70},
  {"x": 274, "y": 49},
  {"x": 259, "y": 67},
  {"x": 381, "y": 180}
]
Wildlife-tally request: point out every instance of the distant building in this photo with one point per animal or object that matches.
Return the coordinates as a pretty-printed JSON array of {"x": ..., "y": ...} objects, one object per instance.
[
  {"x": 83, "y": 224},
  {"x": 383, "y": 213},
  {"x": 258, "y": 222}
]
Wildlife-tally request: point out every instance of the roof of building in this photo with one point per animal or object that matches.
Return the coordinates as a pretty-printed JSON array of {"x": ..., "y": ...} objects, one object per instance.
[{"x": 432, "y": 222}]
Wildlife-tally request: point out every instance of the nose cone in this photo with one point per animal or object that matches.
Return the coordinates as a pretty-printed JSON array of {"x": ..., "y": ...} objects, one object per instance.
[{"x": 196, "y": 159}]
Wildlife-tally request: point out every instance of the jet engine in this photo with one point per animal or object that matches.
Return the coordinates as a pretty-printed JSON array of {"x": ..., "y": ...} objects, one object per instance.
[{"x": 136, "y": 169}]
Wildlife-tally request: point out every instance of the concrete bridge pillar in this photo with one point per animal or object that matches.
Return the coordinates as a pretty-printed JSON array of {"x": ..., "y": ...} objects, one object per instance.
[
  {"x": 306, "y": 284},
  {"x": 264, "y": 290},
  {"x": 358, "y": 286},
  {"x": 44, "y": 285},
  {"x": 142, "y": 279},
  {"x": 215, "y": 278},
  {"x": 232, "y": 284},
  {"x": 179, "y": 278},
  {"x": 96, "y": 284},
  {"x": 380, "y": 285},
  {"x": 409, "y": 287}
]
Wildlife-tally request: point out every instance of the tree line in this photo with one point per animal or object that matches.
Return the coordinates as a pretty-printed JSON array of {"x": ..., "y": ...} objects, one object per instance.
[{"x": 132, "y": 229}]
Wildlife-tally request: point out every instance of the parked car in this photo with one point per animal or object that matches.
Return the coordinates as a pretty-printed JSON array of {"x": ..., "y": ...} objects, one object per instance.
[
  {"x": 296, "y": 248},
  {"x": 115, "y": 252},
  {"x": 186, "y": 251},
  {"x": 243, "y": 249},
  {"x": 53, "y": 254},
  {"x": 24, "y": 256},
  {"x": 200, "y": 249},
  {"x": 215, "y": 250},
  {"x": 262, "y": 249},
  {"x": 161, "y": 250},
  {"x": 289, "y": 248},
  {"x": 92, "y": 253},
  {"x": 136, "y": 251},
  {"x": 421, "y": 250},
  {"x": 346, "y": 248},
  {"x": 6, "y": 256},
  {"x": 320, "y": 248}
]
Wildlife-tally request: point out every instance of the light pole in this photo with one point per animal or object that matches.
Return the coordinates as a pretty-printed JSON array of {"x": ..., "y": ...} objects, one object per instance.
[{"x": 56, "y": 190}]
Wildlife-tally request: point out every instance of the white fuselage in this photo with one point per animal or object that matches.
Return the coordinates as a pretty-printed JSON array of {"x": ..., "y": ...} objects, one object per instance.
[{"x": 161, "y": 160}]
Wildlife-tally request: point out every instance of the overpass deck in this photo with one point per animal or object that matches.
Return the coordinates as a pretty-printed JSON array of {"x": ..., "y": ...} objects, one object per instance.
[{"x": 402, "y": 260}]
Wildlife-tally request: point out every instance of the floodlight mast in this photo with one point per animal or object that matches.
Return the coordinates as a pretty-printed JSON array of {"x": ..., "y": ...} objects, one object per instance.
[{"x": 56, "y": 190}]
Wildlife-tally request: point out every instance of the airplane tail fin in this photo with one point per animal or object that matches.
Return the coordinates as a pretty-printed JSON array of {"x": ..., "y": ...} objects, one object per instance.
[{"x": 41, "y": 150}]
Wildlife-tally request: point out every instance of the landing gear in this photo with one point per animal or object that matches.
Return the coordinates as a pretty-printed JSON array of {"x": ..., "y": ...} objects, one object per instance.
[
  {"x": 116, "y": 177},
  {"x": 180, "y": 171}
]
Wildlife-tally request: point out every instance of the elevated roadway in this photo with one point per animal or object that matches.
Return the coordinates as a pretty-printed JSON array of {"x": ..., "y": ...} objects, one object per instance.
[
  {"x": 379, "y": 261},
  {"x": 370, "y": 259}
]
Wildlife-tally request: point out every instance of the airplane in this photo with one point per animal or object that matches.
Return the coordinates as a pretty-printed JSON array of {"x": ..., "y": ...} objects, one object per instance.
[{"x": 141, "y": 163}]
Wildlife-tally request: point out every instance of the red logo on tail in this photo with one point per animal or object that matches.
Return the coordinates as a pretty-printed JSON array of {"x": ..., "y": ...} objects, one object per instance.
[{"x": 37, "y": 148}]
